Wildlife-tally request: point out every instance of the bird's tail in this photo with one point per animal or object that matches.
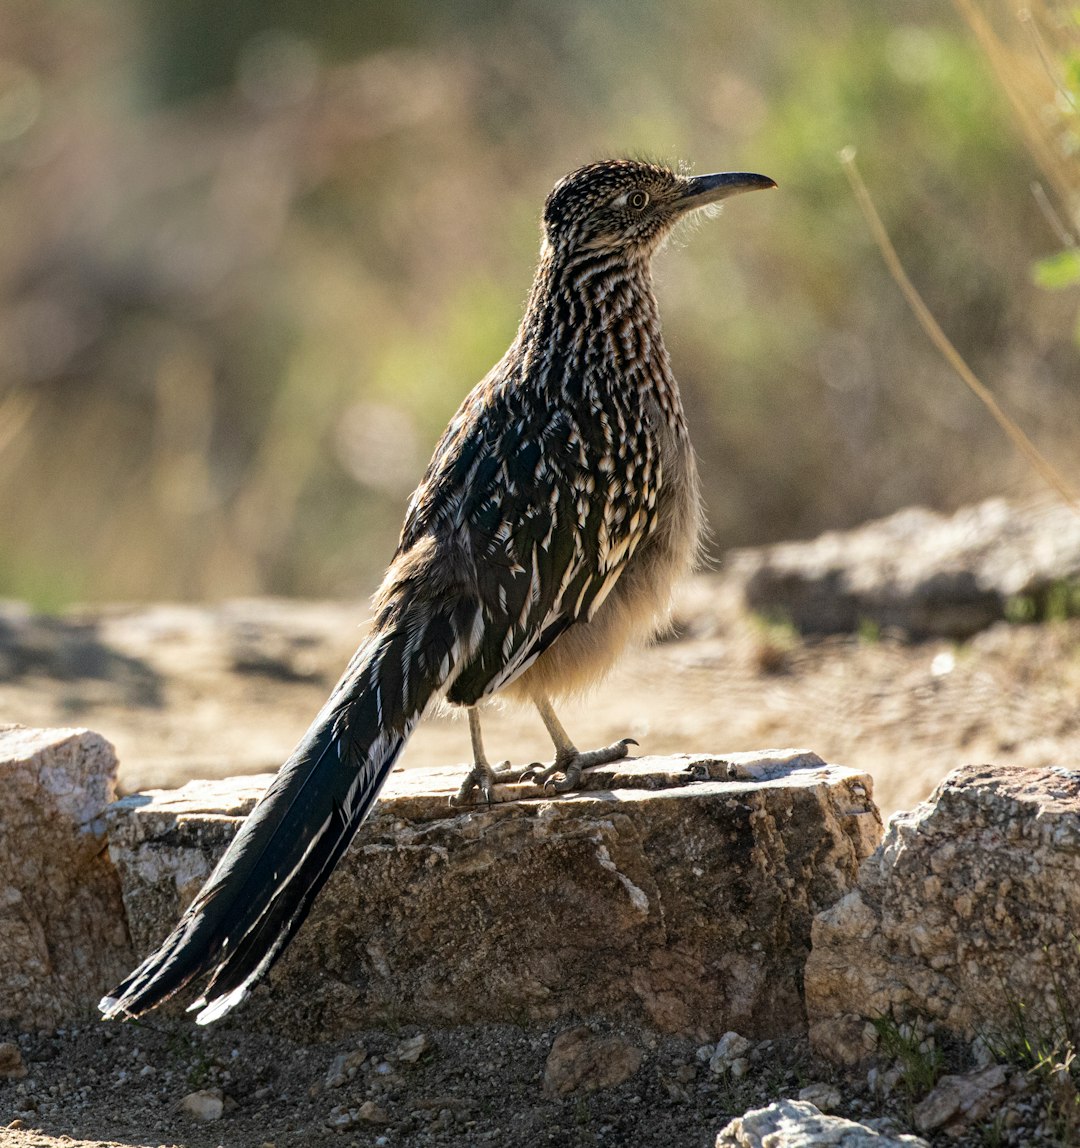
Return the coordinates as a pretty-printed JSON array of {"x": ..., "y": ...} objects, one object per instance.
[{"x": 262, "y": 888}]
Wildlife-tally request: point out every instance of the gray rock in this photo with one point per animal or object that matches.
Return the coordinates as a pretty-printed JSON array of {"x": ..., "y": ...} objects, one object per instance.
[
  {"x": 957, "y": 1101},
  {"x": 925, "y": 573},
  {"x": 206, "y": 1105},
  {"x": 344, "y": 1066},
  {"x": 798, "y": 1124},
  {"x": 730, "y": 1048},
  {"x": 62, "y": 931},
  {"x": 678, "y": 891},
  {"x": 964, "y": 917},
  {"x": 823, "y": 1096}
]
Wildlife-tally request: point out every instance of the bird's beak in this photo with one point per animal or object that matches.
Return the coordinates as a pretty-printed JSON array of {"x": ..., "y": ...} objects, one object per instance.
[{"x": 702, "y": 189}]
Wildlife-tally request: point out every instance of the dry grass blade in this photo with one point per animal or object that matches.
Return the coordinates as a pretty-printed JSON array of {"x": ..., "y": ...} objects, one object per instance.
[
  {"x": 937, "y": 336},
  {"x": 1029, "y": 82}
]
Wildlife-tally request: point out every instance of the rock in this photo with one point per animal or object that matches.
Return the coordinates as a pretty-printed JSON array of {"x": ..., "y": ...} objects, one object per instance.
[
  {"x": 798, "y": 1124},
  {"x": 11, "y": 1062},
  {"x": 957, "y": 1101},
  {"x": 729, "y": 1049},
  {"x": 206, "y": 1105},
  {"x": 582, "y": 1060},
  {"x": 409, "y": 1051},
  {"x": 62, "y": 931},
  {"x": 342, "y": 1117},
  {"x": 964, "y": 915},
  {"x": 925, "y": 573},
  {"x": 343, "y": 1067},
  {"x": 371, "y": 1113},
  {"x": 823, "y": 1096},
  {"x": 677, "y": 891}
]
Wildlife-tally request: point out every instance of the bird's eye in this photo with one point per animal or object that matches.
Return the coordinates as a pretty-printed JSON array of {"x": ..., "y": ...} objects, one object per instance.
[{"x": 637, "y": 199}]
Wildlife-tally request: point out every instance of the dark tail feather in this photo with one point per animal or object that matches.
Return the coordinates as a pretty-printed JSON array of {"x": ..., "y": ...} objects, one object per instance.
[{"x": 264, "y": 885}]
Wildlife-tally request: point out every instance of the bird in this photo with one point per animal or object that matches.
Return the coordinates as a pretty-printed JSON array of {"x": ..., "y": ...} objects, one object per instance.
[{"x": 560, "y": 507}]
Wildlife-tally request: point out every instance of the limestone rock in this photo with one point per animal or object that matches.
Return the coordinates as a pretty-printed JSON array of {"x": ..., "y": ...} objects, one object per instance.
[
  {"x": 957, "y": 1101},
  {"x": 925, "y": 573},
  {"x": 824, "y": 1096},
  {"x": 965, "y": 914},
  {"x": 730, "y": 1049},
  {"x": 62, "y": 932},
  {"x": 206, "y": 1105},
  {"x": 582, "y": 1060},
  {"x": 798, "y": 1124},
  {"x": 678, "y": 891}
]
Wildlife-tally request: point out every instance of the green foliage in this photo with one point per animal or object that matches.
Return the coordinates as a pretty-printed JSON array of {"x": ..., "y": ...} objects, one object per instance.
[
  {"x": 286, "y": 239},
  {"x": 1063, "y": 600},
  {"x": 915, "y": 1054},
  {"x": 1020, "y": 609},
  {"x": 1047, "y": 1047},
  {"x": 1056, "y": 272},
  {"x": 1061, "y": 271},
  {"x": 1056, "y": 602},
  {"x": 869, "y": 631}
]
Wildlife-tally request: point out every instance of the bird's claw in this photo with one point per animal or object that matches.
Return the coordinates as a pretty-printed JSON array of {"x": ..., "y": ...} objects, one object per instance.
[
  {"x": 571, "y": 765},
  {"x": 484, "y": 777}
]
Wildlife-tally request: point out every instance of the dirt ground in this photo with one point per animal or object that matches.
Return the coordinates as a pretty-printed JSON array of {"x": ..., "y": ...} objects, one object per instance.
[{"x": 188, "y": 692}]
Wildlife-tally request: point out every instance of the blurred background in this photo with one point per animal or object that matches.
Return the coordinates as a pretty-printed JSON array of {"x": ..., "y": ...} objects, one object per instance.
[{"x": 253, "y": 254}]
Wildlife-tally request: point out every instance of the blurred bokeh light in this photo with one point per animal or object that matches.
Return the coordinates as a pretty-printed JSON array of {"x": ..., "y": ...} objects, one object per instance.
[{"x": 253, "y": 255}]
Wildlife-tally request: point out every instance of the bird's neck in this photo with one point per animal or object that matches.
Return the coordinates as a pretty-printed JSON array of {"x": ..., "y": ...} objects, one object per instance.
[{"x": 595, "y": 317}]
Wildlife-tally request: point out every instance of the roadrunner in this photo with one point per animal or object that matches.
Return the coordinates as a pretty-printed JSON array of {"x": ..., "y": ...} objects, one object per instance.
[{"x": 559, "y": 509}]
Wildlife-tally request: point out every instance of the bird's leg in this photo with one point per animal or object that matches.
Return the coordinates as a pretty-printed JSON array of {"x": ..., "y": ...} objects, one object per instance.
[
  {"x": 569, "y": 760},
  {"x": 482, "y": 776}
]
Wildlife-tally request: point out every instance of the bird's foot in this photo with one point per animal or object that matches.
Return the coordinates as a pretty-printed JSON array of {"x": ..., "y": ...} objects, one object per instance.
[
  {"x": 571, "y": 763},
  {"x": 485, "y": 777}
]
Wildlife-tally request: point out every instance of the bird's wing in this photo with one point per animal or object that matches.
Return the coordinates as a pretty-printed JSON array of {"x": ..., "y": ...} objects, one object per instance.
[{"x": 543, "y": 518}]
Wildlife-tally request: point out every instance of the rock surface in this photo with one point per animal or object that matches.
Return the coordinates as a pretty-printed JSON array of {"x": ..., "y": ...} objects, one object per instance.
[
  {"x": 62, "y": 932},
  {"x": 798, "y": 1124},
  {"x": 957, "y": 1101},
  {"x": 965, "y": 917},
  {"x": 927, "y": 574},
  {"x": 678, "y": 891},
  {"x": 206, "y": 1105},
  {"x": 581, "y": 1060}
]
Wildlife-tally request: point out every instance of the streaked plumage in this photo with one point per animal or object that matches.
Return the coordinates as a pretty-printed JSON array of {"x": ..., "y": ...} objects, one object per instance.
[{"x": 558, "y": 510}]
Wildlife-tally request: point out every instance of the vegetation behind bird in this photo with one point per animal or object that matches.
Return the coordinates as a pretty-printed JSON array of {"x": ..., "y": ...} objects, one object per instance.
[{"x": 250, "y": 267}]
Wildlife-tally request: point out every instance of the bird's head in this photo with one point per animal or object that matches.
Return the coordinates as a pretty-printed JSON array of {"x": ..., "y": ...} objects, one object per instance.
[{"x": 629, "y": 206}]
